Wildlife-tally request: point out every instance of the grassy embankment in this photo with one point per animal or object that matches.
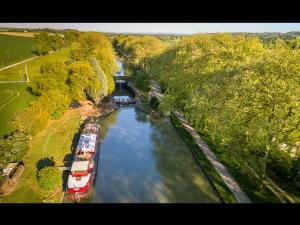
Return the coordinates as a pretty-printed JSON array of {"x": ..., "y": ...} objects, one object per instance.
[
  {"x": 249, "y": 181},
  {"x": 53, "y": 143},
  {"x": 14, "y": 49},
  {"x": 14, "y": 97},
  {"x": 250, "y": 186}
]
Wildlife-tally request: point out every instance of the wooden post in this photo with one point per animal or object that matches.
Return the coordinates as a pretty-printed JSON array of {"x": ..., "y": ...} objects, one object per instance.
[
  {"x": 20, "y": 73},
  {"x": 26, "y": 72}
]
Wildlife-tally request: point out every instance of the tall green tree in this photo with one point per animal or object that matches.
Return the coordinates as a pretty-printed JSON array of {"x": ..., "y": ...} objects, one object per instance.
[{"x": 93, "y": 45}]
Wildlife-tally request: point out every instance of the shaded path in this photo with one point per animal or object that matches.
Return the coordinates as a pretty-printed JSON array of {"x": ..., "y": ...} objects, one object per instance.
[{"x": 219, "y": 167}]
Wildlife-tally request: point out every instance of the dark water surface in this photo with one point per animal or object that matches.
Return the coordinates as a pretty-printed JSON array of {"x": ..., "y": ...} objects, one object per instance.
[{"x": 144, "y": 160}]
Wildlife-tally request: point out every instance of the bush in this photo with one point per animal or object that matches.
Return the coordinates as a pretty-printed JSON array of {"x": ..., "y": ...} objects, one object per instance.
[
  {"x": 154, "y": 102},
  {"x": 49, "y": 178},
  {"x": 142, "y": 81},
  {"x": 32, "y": 120},
  {"x": 55, "y": 102}
]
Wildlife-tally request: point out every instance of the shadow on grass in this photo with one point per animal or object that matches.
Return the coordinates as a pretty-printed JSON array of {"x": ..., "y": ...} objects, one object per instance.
[{"x": 45, "y": 162}]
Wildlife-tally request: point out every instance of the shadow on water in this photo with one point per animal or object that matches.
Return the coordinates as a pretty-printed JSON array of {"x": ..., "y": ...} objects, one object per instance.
[
  {"x": 182, "y": 177},
  {"x": 144, "y": 160},
  {"x": 140, "y": 116}
]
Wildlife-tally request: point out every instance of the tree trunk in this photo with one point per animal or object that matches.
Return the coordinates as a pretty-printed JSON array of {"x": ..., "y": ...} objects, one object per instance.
[{"x": 264, "y": 167}]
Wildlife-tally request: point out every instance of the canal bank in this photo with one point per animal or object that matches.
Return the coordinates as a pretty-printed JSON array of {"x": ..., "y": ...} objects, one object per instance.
[{"x": 144, "y": 160}]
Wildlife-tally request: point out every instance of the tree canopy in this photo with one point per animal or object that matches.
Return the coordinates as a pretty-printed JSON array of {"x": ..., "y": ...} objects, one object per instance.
[
  {"x": 93, "y": 45},
  {"x": 244, "y": 96}
]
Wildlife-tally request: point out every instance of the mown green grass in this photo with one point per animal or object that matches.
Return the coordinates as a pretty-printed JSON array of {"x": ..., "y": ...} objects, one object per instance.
[
  {"x": 56, "y": 142},
  {"x": 19, "y": 103},
  {"x": 224, "y": 193},
  {"x": 10, "y": 103},
  {"x": 15, "y": 49},
  {"x": 33, "y": 66}
]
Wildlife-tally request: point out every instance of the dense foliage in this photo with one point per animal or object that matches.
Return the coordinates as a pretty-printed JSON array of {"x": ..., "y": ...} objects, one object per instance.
[
  {"x": 49, "y": 178},
  {"x": 139, "y": 49},
  {"x": 54, "y": 75},
  {"x": 84, "y": 82},
  {"x": 13, "y": 148},
  {"x": 92, "y": 45},
  {"x": 142, "y": 80},
  {"x": 46, "y": 41},
  {"x": 241, "y": 95},
  {"x": 154, "y": 102},
  {"x": 87, "y": 75}
]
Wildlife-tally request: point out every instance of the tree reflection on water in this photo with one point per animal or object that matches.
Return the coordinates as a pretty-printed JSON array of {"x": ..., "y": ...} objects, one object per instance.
[
  {"x": 183, "y": 179},
  {"x": 144, "y": 160}
]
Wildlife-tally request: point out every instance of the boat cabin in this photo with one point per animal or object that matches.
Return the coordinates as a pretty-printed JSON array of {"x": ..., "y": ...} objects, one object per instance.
[
  {"x": 86, "y": 145},
  {"x": 80, "y": 168}
]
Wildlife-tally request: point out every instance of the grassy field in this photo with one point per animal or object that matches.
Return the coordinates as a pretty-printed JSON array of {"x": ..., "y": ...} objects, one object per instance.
[
  {"x": 13, "y": 98},
  {"x": 54, "y": 141},
  {"x": 15, "y": 49},
  {"x": 33, "y": 67}
]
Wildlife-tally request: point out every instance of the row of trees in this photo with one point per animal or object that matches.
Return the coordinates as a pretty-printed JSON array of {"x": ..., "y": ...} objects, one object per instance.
[
  {"x": 90, "y": 68},
  {"x": 46, "y": 42},
  {"x": 138, "y": 51},
  {"x": 60, "y": 84},
  {"x": 241, "y": 95}
]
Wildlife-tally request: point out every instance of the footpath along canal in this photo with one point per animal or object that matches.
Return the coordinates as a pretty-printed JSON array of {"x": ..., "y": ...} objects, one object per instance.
[{"x": 143, "y": 159}]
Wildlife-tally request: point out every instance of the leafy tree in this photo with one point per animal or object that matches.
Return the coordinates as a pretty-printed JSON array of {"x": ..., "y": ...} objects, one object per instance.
[
  {"x": 42, "y": 43},
  {"x": 55, "y": 102},
  {"x": 32, "y": 120},
  {"x": 92, "y": 45},
  {"x": 84, "y": 81},
  {"x": 154, "y": 102},
  {"x": 53, "y": 76},
  {"x": 13, "y": 148},
  {"x": 56, "y": 42},
  {"x": 71, "y": 36},
  {"x": 49, "y": 178},
  {"x": 139, "y": 49},
  {"x": 142, "y": 80},
  {"x": 244, "y": 97}
]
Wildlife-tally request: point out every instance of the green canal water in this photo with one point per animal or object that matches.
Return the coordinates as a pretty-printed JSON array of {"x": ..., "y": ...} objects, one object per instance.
[{"x": 144, "y": 160}]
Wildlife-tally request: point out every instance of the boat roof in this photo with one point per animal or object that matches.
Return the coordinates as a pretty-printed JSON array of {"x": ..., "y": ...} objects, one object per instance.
[
  {"x": 80, "y": 166},
  {"x": 87, "y": 142}
]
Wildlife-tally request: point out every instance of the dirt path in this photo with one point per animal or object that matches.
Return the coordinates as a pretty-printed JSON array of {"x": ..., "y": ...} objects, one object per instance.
[
  {"x": 7, "y": 67},
  {"x": 240, "y": 196}
]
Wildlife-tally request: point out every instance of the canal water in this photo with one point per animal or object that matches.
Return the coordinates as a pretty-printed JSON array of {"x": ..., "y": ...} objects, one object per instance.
[
  {"x": 144, "y": 160},
  {"x": 121, "y": 71}
]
